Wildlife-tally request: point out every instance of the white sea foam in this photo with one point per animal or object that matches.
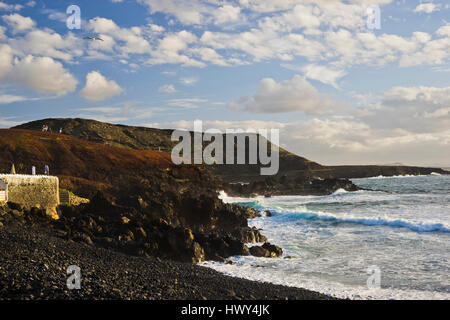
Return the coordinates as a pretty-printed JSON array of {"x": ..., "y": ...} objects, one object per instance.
[
  {"x": 398, "y": 176},
  {"x": 244, "y": 267},
  {"x": 331, "y": 240}
]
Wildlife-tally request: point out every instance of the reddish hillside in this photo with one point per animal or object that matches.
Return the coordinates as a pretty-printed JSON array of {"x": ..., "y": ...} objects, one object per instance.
[{"x": 83, "y": 164}]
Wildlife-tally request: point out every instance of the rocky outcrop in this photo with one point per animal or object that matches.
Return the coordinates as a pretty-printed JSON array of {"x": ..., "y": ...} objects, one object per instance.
[
  {"x": 219, "y": 231},
  {"x": 284, "y": 185},
  {"x": 375, "y": 171},
  {"x": 267, "y": 250}
]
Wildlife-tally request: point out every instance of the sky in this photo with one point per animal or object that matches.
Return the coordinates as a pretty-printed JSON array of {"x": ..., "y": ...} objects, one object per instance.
[{"x": 340, "y": 87}]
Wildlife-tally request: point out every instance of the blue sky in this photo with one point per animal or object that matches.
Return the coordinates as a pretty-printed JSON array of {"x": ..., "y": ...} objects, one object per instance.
[{"x": 339, "y": 91}]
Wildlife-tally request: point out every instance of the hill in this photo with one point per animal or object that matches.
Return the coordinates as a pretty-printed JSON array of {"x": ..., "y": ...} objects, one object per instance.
[
  {"x": 291, "y": 165},
  {"x": 143, "y": 138},
  {"x": 83, "y": 166},
  {"x": 174, "y": 209}
]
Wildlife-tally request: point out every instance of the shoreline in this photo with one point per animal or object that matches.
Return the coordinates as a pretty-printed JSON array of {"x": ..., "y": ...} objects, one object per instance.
[
  {"x": 337, "y": 291},
  {"x": 34, "y": 262}
]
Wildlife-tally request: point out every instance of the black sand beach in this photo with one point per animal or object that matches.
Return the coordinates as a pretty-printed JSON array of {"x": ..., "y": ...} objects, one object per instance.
[{"x": 33, "y": 265}]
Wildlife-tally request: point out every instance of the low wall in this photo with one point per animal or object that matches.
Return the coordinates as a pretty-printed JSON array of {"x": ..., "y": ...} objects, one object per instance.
[{"x": 33, "y": 191}]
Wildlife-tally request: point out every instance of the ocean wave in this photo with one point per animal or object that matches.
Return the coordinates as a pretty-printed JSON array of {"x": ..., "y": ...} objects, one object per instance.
[
  {"x": 395, "y": 223},
  {"x": 339, "y": 191},
  {"x": 398, "y": 176}
]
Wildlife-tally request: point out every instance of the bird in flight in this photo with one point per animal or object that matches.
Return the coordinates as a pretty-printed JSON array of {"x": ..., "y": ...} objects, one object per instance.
[{"x": 93, "y": 38}]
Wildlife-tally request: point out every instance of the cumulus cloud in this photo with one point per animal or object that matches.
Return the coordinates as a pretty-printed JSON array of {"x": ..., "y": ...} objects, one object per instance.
[
  {"x": 227, "y": 13},
  {"x": 19, "y": 23},
  {"x": 44, "y": 75},
  {"x": 171, "y": 48},
  {"x": 415, "y": 109},
  {"x": 126, "y": 41},
  {"x": 286, "y": 96},
  {"x": 48, "y": 43},
  {"x": 99, "y": 88}
]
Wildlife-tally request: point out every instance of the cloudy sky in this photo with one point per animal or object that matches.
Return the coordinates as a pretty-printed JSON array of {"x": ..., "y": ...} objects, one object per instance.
[{"x": 340, "y": 90}]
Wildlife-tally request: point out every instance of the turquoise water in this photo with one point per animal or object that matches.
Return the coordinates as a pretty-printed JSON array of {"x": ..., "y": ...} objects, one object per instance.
[{"x": 330, "y": 242}]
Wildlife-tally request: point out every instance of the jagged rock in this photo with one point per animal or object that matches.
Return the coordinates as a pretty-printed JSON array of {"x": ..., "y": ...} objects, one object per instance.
[
  {"x": 258, "y": 251},
  {"x": 273, "y": 249},
  {"x": 249, "y": 235},
  {"x": 267, "y": 250}
]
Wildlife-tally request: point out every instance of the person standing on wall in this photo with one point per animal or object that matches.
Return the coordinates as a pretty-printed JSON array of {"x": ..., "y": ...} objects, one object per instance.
[{"x": 46, "y": 170}]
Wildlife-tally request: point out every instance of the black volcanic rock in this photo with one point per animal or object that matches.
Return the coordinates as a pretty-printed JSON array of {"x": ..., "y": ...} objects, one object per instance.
[
  {"x": 34, "y": 263},
  {"x": 267, "y": 250},
  {"x": 290, "y": 186}
]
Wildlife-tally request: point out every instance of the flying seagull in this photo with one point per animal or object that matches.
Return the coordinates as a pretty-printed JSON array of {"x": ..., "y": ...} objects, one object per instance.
[{"x": 93, "y": 38}]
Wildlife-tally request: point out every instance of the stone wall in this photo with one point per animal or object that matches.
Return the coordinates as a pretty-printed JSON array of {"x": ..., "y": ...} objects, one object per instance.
[{"x": 33, "y": 191}]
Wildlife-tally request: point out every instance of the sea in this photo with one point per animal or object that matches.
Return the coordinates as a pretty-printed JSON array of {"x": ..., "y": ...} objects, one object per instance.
[{"x": 391, "y": 243}]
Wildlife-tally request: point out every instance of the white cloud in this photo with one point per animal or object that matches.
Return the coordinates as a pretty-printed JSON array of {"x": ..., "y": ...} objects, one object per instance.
[
  {"x": 427, "y": 7},
  {"x": 44, "y": 75},
  {"x": 19, "y": 23},
  {"x": 6, "y": 122},
  {"x": 170, "y": 50},
  {"x": 323, "y": 74},
  {"x": 99, "y": 88},
  {"x": 7, "y": 98},
  {"x": 186, "y": 103},
  {"x": 210, "y": 55},
  {"x": 286, "y": 96},
  {"x": 187, "y": 12},
  {"x": 126, "y": 40},
  {"x": 189, "y": 81},
  {"x": 167, "y": 88},
  {"x": 56, "y": 15},
  {"x": 10, "y": 7},
  {"x": 226, "y": 14},
  {"x": 48, "y": 43},
  {"x": 6, "y": 59},
  {"x": 421, "y": 110}
]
